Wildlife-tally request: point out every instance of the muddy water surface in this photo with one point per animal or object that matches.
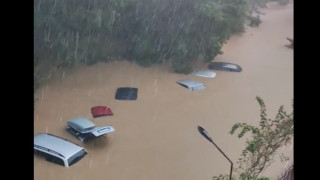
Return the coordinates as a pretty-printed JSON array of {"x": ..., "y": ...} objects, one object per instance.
[{"x": 156, "y": 135}]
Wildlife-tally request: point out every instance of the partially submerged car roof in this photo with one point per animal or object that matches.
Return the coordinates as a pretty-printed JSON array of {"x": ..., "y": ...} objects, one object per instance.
[
  {"x": 81, "y": 124},
  {"x": 191, "y": 84},
  {"x": 202, "y": 73},
  {"x": 224, "y": 66},
  {"x": 126, "y": 93},
  {"x": 56, "y": 145},
  {"x": 98, "y": 111}
]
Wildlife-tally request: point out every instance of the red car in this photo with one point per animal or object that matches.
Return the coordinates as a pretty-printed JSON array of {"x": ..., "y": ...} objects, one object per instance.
[{"x": 99, "y": 111}]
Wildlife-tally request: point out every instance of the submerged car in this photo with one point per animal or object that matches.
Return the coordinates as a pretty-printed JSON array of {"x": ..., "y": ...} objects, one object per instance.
[
  {"x": 192, "y": 85},
  {"x": 126, "y": 93},
  {"x": 58, "y": 150},
  {"x": 224, "y": 66},
  {"x": 98, "y": 111},
  {"x": 84, "y": 129},
  {"x": 207, "y": 74}
]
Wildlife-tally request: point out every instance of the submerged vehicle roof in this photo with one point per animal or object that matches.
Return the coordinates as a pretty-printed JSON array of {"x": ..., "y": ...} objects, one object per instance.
[
  {"x": 98, "y": 111},
  {"x": 205, "y": 73},
  {"x": 191, "y": 84},
  {"x": 82, "y": 124},
  {"x": 56, "y": 144},
  {"x": 126, "y": 93},
  {"x": 224, "y": 66}
]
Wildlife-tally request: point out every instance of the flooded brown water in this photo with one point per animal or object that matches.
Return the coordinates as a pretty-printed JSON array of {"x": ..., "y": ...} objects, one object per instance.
[{"x": 156, "y": 136}]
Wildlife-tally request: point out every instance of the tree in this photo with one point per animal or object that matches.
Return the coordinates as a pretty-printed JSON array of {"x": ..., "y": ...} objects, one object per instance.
[
  {"x": 266, "y": 139},
  {"x": 174, "y": 32}
]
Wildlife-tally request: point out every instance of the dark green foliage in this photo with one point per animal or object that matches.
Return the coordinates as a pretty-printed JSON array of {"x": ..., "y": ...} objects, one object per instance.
[
  {"x": 263, "y": 178},
  {"x": 144, "y": 31},
  {"x": 222, "y": 177},
  {"x": 264, "y": 142},
  {"x": 181, "y": 66},
  {"x": 177, "y": 32},
  {"x": 254, "y": 21},
  {"x": 144, "y": 51},
  {"x": 165, "y": 31}
]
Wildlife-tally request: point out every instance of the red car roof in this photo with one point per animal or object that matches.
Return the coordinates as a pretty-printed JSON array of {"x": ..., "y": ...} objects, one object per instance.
[{"x": 98, "y": 111}]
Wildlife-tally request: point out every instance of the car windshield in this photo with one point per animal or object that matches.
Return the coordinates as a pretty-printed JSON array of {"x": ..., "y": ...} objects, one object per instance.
[
  {"x": 232, "y": 66},
  {"x": 76, "y": 157},
  {"x": 199, "y": 87},
  {"x": 89, "y": 128}
]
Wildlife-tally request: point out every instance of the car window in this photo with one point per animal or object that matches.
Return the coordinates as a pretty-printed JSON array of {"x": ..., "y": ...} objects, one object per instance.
[
  {"x": 185, "y": 86},
  {"x": 76, "y": 157},
  {"x": 199, "y": 87},
  {"x": 39, "y": 153},
  {"x": 230, "y": 66},
  {"x": 54, "y": 159},
  {"x": 89, "y": 128}
]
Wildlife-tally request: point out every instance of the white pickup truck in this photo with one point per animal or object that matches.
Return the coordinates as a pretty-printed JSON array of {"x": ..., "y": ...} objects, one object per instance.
[{"x": 84, "y": 129}]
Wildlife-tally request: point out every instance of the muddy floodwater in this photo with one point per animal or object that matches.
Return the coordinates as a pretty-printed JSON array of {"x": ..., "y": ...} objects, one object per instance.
[{"x": 156, "y": 136}]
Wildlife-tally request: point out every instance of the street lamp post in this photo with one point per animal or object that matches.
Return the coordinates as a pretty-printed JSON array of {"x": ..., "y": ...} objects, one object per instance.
[{"x": 205, "y": 134}]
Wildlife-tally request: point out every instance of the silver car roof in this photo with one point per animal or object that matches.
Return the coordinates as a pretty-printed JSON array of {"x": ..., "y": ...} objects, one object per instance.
[
  {"x": 232, "y": 66},
  {"x": 208, "y": 74},
  {"x": 59, "y": 145},
  {"x": 81, "y": 124},
  {"x": 190, "y": 84},
  {"x": 222, "y": 65}
]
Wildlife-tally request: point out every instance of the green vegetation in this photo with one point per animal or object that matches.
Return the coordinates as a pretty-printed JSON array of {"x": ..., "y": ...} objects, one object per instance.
[
  {"x": 254, "y": 21},
  {"x": 176, "y": 32},
  {"x": 283, "y": 2},
  {"x": 266, "y": 139}
]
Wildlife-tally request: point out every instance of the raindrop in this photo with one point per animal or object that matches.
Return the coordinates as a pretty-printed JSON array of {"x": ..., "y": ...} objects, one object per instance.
[
  {"x": 42, "y": 94},
  {"x": 286, "y": 164}
]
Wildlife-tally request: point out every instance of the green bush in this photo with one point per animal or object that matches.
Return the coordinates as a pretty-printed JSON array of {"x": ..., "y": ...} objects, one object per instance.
[
  {"x": 146, "y": 32},
  {"x": 254, "y": 21},
  {"x": 181, "y": 65}
]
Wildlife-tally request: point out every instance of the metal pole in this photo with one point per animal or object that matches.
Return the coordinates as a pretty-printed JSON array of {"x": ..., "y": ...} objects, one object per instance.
[
  {"x": 226, "y": 157},
  {"x": 205, "y": 134}
]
